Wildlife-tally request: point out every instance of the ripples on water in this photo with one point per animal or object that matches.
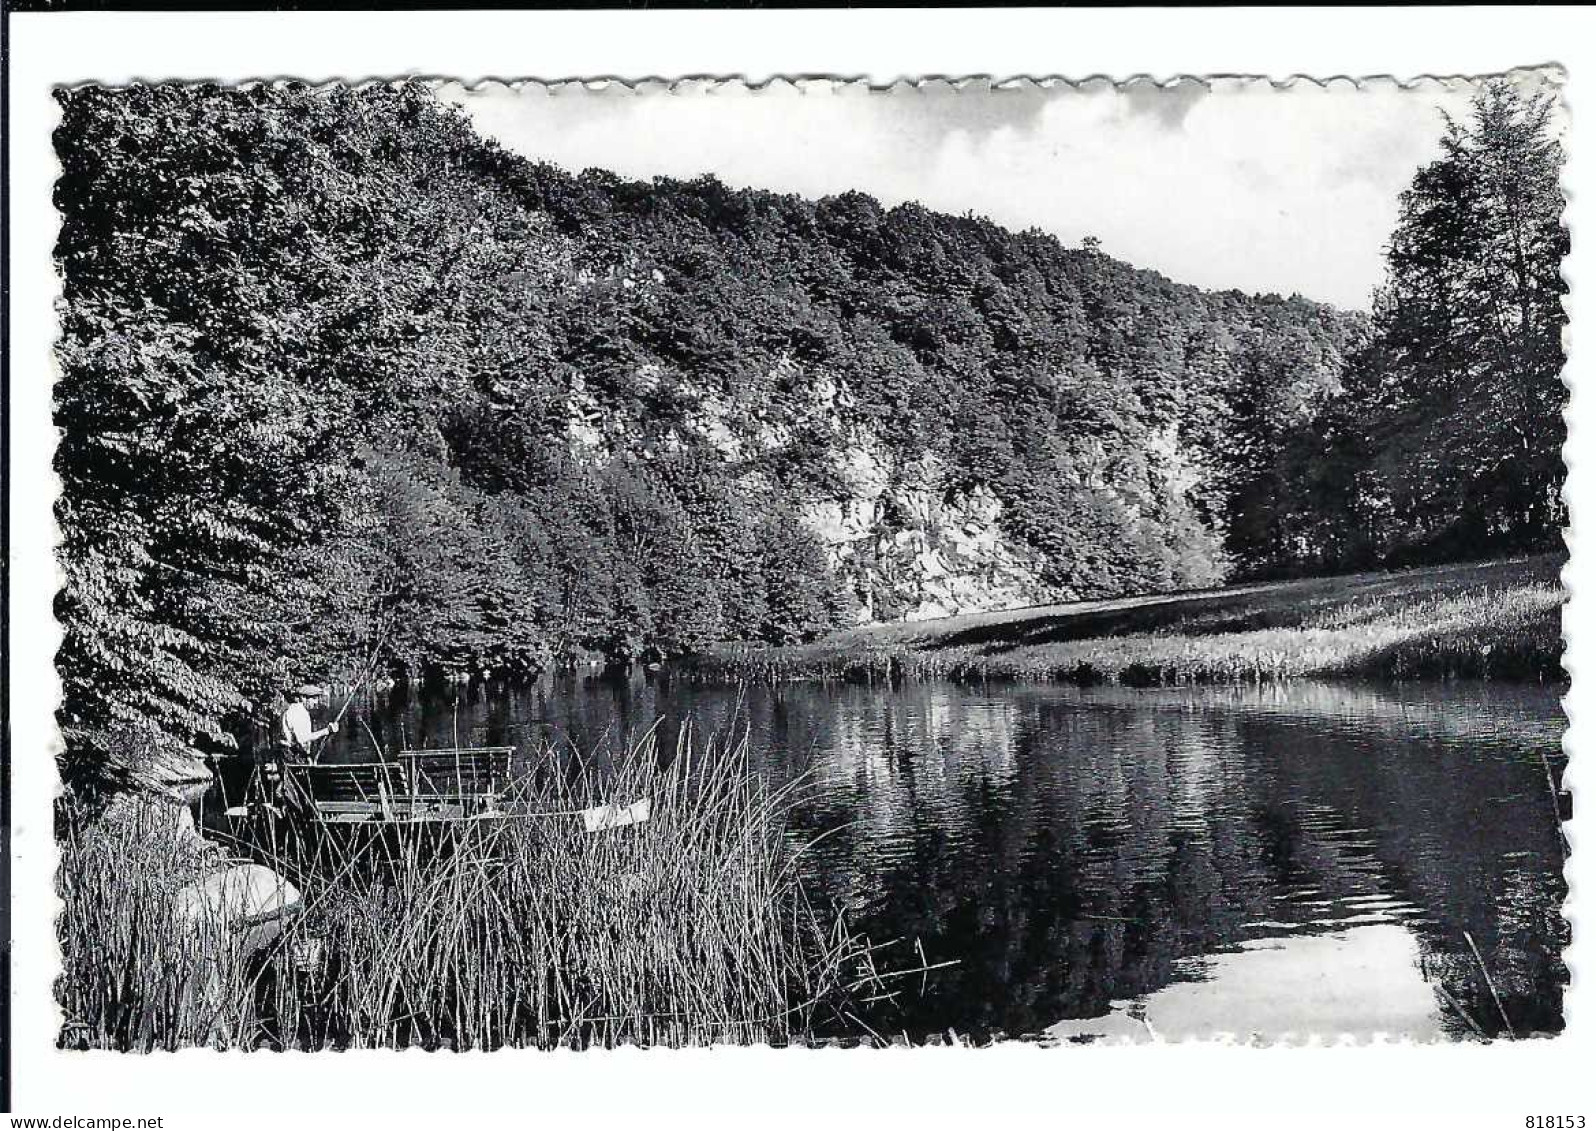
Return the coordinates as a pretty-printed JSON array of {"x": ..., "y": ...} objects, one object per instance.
[{"x": 1295, "y": 860}]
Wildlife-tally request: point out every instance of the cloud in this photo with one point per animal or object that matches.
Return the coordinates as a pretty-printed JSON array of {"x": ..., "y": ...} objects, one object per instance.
[
  {"x": 933, "y": 110},
  {"x": 1380, "y": 155},
  {"x": 1168, "y": 105}
]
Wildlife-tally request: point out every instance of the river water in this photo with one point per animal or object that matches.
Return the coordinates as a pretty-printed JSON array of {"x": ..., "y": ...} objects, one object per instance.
[{"x": 1309, "y": 859}]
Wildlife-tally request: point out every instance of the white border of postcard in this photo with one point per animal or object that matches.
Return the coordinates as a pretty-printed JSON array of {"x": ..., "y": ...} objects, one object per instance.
[{"x": 1462, "y": 1086}]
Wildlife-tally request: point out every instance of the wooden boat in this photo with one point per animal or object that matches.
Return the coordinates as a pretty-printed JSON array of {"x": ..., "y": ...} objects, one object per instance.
[
  {"x": 422, "y": 786},
  {"x": 368, "y": 818}
]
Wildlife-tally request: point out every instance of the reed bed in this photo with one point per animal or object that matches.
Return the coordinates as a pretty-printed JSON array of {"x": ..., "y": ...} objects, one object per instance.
[
  {"x": 137, "y": 971},
  {"x": 1498, "y": 621},
  {"x": 692, "y": 927}
]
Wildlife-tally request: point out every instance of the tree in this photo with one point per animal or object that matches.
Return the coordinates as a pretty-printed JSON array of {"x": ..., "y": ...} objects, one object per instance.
[
  {"x": 655, "y": 536},
  {"x": 1460, "y": 391},
  {"x": 802, "y": 597},
  {"x": 254, "y": 287}
]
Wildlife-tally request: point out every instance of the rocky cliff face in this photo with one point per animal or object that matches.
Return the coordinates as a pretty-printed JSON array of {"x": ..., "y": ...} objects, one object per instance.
[
  {"x": 908, "y": 546},
  {"x": 912, "y": 549}
]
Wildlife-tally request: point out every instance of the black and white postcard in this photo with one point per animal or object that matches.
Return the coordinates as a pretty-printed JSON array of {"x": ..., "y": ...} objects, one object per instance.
[{"x": 577, "y": 564}]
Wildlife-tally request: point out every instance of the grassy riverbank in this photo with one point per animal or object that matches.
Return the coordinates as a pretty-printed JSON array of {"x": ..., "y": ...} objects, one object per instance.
[
  {"x": 1496, "y": 620},
  {"x": 687, "y": 929}
]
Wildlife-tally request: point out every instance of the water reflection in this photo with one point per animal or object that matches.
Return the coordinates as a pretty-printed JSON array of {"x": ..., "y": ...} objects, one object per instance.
[
  {"x": 1306, "y": 859},
  {"x": 1361, "y": 983}
]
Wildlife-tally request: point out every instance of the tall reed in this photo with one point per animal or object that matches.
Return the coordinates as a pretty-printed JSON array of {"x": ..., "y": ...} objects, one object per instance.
[
  {"x": 141, "y": 967},
  {"x": 526, "y": 930}
]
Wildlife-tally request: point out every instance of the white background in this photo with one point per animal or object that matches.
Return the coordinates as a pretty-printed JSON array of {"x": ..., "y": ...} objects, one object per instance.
[{"x": 1465, "y": 1086}]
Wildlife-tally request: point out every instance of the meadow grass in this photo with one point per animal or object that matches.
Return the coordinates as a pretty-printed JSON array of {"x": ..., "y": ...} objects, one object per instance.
[
  {"x": 523, "y": 932},
  {"x": 1498, "y": 620}
]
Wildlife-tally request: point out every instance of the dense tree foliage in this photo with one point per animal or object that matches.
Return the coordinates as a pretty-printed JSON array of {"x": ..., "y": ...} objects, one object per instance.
[
  {"x": 1447, "y": 440},
  {"x": 343, "y": 381}
]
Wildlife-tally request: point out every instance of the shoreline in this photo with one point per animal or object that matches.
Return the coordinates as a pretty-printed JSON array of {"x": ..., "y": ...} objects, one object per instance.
[{"x": 1496, "y": 620}]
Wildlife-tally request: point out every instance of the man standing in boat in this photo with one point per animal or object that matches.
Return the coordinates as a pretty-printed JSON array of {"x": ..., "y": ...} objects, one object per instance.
[
  {"x": 294, "y": 731},
  {"x": 294, "y": 737}
]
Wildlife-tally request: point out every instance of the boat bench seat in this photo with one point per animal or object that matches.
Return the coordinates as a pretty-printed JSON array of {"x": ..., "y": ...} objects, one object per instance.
[
  {"x": 422, "y": 785},
  {"x": 478, "y": 774}
]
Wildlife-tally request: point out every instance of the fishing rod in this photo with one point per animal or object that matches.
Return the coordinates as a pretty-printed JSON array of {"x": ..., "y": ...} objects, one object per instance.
[{"x": 367, "y": 672}]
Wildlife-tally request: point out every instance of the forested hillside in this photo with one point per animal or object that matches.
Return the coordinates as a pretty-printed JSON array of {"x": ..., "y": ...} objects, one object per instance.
[{"x": 343, "y": 382}]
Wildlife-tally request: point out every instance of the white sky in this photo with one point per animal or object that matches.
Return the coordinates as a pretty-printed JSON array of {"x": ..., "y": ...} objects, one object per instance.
[{"x": 1242, "y": 184}]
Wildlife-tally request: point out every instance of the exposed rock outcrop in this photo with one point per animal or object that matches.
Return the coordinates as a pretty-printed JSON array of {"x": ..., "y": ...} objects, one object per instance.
[
  {"x": 249, "y": 900},
  {"x": 912, "y": 548}
]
